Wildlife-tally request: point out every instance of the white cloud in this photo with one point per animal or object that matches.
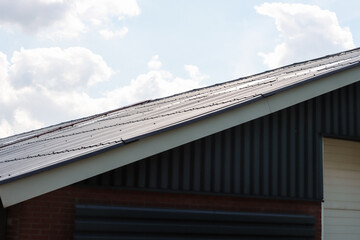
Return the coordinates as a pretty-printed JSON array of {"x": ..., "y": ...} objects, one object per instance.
[
  {"x": 5, "y": 87},
  {"x": 55, "y": 68},
  {"x": 50, "y": 85},
  {"x": 195, "y": 73},
  {"x": 157, "y": 83},
  {"x": 65, "y": 19},
  {"x": 154, "y": 63},
  {"x": 108, "y": 34},
  {"x": 24, "y": 120},
  {"x": 102, "y": 11},
  {"x": 33, "y": 80},
  {"x": 5, "y": 128},
  {"x": 306, "y": 31},
  {"x": 29, "y": 16}
]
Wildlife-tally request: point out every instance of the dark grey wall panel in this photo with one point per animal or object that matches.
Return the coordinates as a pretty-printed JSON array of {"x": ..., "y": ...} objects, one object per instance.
[
  {"x": 117, "y": 222},
  {"x": 277, "y": 156}
]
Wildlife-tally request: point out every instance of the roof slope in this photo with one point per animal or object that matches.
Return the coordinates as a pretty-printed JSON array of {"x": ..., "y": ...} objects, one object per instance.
[{"x": 28, "y": 153}]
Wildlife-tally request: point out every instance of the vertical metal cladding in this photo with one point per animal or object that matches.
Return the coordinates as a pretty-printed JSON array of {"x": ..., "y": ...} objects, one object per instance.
[{"x": 277, "y": 156}]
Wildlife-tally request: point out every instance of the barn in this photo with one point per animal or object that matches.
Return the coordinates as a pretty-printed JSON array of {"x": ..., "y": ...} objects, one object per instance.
[{"x": 274, "y": 155}]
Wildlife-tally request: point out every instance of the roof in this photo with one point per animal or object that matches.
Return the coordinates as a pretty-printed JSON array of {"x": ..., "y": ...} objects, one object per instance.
[{"x": 31, "y": 153}]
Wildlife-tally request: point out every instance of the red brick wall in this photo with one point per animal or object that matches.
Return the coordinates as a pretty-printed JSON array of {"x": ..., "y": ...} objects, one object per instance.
[{"x": 51, "y": 215}]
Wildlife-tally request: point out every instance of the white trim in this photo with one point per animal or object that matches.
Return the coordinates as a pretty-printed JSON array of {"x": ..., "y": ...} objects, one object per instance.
[{"x": 23, "y": 189}]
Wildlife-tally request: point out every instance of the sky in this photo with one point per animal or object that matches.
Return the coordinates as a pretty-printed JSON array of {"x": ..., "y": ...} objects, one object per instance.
[{"x": 65, "y": 59}]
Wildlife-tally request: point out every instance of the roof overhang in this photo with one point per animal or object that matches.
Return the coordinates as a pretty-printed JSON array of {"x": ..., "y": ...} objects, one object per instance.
[{"x": 43, "y": 182}]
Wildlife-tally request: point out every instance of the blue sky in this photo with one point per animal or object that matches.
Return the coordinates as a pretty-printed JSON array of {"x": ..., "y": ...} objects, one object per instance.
[{"x": 62, "y": 59}]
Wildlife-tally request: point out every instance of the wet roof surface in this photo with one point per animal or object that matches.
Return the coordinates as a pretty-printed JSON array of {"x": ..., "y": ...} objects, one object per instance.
[{"x": 30, "y": 152}]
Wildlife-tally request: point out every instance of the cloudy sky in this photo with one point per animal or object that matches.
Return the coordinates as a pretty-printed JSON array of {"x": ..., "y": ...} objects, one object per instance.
[{"x": 65, "y": 59}]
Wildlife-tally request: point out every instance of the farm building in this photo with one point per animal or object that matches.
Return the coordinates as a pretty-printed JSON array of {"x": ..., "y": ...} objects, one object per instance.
[{"x": 270, "y": 156}]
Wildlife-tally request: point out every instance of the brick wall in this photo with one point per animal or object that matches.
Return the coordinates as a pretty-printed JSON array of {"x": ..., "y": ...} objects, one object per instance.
[{"x": 51, "y": 216}]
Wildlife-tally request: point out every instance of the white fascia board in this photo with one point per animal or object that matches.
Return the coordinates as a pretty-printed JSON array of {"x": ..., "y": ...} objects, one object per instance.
[{"x": 26, "y": 188}]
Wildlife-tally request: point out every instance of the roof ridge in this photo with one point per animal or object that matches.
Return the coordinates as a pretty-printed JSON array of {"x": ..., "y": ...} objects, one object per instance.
[
  {"x": 262, "y": 73},
  {"x": 71, "y": 123}
]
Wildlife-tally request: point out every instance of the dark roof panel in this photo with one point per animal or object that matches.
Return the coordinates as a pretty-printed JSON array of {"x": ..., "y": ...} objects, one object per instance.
[{"x": 29, "y": 152}]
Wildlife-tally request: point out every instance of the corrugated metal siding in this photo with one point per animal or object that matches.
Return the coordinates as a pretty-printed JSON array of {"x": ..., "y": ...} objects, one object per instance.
[{"x": 279, "y": 155}]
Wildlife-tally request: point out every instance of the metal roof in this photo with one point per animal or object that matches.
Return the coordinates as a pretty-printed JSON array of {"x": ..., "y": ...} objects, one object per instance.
[{"x": 27, "y": 153}]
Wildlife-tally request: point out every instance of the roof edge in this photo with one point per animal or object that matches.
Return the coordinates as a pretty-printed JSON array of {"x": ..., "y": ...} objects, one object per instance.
[
  {"x": 182, "y": 124},
  {"x": 81, "y": 168}
]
